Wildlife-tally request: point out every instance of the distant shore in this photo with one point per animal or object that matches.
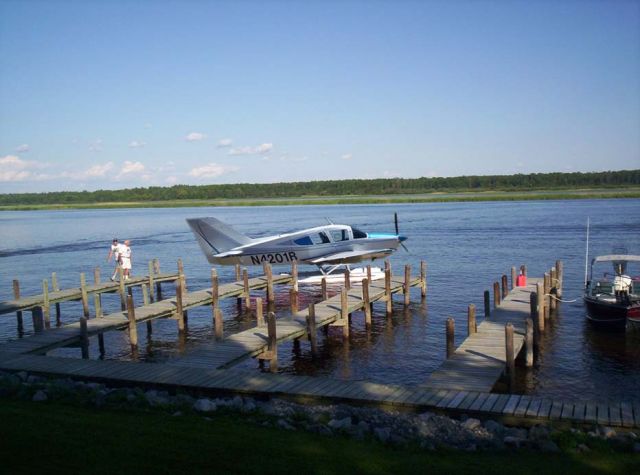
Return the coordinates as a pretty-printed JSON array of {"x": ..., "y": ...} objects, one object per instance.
[{"x": 436, "y": 197}]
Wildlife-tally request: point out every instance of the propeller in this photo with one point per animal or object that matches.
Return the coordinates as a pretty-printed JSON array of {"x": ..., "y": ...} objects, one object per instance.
[{"x": 395, "y": 222}]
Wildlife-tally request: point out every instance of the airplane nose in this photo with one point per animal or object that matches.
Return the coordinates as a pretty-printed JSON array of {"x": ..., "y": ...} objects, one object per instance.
[{"x": 402, "y": 238}]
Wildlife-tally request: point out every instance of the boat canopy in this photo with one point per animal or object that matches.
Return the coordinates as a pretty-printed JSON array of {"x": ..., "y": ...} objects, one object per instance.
[{"x": 616, "y": 258}]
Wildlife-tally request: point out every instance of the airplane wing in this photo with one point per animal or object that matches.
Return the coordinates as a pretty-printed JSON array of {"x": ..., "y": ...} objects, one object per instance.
[{"x": 350, "y": 256}]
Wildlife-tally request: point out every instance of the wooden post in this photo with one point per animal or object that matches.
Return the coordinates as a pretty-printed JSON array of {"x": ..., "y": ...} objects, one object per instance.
[
  {"x": 496, "y": 294},
  {"x": 451, "y": 330},
  {"x": 366, "y": 302},
  {"x": 407, "y": 284},
  {"x": 151, "y": 279},
  {"x": 83, "y": 293},
  {"x": 311, "y": 329},
  {"x": 387, "y": 265},
  {"x": 323, "y": 286},
  {"x": 423, "y": 279},
  {"x": 55, "y": 288},
  {"x": 540, "y": 306},
  {"x": 36, "y": 316},
  {"x": 552, "y": 289},
  {"x": 46, "y": 305},
  {"x": 547, "y": 299},
  {"x": 180, "y": 266},
  {"x": 529, "y": 343},
  {"x": 344, "y": 312},
  {"x": 487, "y": 304},
  {"x": 293, "y": 300},
  {"x": 133, "y": 329},
  {"x": 533, "y": 314},
  {"x": 471, "y": 320},
  {"x": 269, "y": 273},
  {"x": 238, "y": 273},
  {"x": 16, "y": 296},
  {"x": 97, "y": 297},
  {"x": 84, "y": 338},
  {"x": 272, "y": 346},
  {"x": 513, "y": 277},
  {"x": 247, "y": 292},
  {"x": 369, "y": 272},
  {"x": 387, "y": 290},
  {"x": 218, "y": 323},
  {"x": 121, "y": 289},
  {"x": 259, "y": 313},
  {"x": 347, "y": 279},
  {"x": 294, "y": 275},
  {"x": 156, "y": 272},
  {"x": 179, "y": 310},
  {"x": 505, "y": 286},
  {"x": 145, "y": 301},
  {"x": 508, "y": 341},
  {"x": 560, "y": 277},
  {"x": 214, "y": 292}
]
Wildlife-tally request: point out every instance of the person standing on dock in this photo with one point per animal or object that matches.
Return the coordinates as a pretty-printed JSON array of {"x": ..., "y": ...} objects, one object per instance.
[
  {"x": 125, "y": 259},
  {"x": 115, "y": 252}
]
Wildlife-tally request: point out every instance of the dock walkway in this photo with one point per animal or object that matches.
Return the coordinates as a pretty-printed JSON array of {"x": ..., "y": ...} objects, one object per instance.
[{"x": 480, "y": 360}]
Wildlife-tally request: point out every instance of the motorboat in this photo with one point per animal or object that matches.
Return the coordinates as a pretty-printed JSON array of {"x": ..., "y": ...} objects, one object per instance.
[{"x": 613, "y": 300}]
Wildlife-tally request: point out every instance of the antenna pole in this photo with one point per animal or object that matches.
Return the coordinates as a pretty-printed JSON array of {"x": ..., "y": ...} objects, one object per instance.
[{"x": 586, "y": 257}]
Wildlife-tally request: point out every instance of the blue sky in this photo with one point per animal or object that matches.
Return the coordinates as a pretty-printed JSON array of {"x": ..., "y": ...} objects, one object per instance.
[{"x": 115, "y": 94}]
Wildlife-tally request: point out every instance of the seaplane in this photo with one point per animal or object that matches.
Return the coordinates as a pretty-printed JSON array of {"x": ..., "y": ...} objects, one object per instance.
[{"x": 328, "y": 247}]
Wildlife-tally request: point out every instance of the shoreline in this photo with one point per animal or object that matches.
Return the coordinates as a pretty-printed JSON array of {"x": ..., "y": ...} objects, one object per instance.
[{"x": 436, "y": 197}]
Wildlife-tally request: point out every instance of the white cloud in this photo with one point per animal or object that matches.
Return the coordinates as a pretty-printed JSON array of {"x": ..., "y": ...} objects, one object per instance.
[
  {"x": 211, "y": 170},
  {"x": 13, "y": 168},
  {"x": 95, "y": 171},
  {"x": 95, "y": 146},
  {"x": 195, "y": 137},
  {"x": 260, "y": 149},
  {"x": 131, "y": 168},
  {"x": 347, "y": 156},
  {"x": 224, "y": 143},
  {"x": 23, "y": 148},
  {"x": 171, "y": 180},
  {"x": 137, "y": 144}
]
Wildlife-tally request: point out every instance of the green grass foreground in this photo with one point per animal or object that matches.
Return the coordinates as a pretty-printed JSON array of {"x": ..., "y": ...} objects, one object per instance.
[
  {"x": 59, "y": 438},
  {"x": 347, "y": 199}
]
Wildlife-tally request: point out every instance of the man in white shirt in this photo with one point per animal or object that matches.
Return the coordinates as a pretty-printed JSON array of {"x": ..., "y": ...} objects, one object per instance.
[
  {"x": 125, "y": 259},
  {"x": 114, "y": 251}
]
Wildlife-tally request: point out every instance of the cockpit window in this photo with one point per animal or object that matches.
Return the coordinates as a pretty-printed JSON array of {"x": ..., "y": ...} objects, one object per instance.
[
  {"x": 340, "y": 235},
  {"x": 357, "y": 234}
]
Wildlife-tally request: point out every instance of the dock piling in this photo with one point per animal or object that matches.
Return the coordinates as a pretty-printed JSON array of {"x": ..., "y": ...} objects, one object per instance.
[
  {"x": 218, "y": 324},
  {"x": 84, "y": 338},
  {"x": 84, "y": 295},
  {"x": 121, "y": 289},
  {"x": 246, "y": 292},
  {"x": 97, "y": 297},
  {"x": 540, "y": 300},
  {"x": 344, "y": 312},
  {"x": 366, "y": 303},
  {"x": 510, "y": 357},
  {"x": 505, "y": 287},
  {"x": 423, "y": 279},
  {"x": 451, "y": 330},
  {"x": 487, "y": 304},
  {"x": 513, "y": 277},
  {"x": 272, "y": 347},
  {"x": 293, "y": 300},
  {"x": 151, "y": 279},
  {"x": 472, "y": 327},
  {"x": 347, "y": 279},
  {"x": 179, "y": 309},
  {"x": 46, "y": 306},
  {"x": 259, "y": 313},
  {"x": 529, "y": 343},
  {"x": 133, "y": 329},
  {"x": 559, "y": 277},
  {"x": 496, "y": 295},
  {"x": 156, "y": 271},
  {"x": 311, "y": 328},
  {"x": 16, "y": 296},
  {"x": 323, "y": 287},
  {"x": 56, "y": 288},
  {"x": 387, "y": 289},
  {"x": 547, "y": 297},
  {"x": 407, "y": 284}
]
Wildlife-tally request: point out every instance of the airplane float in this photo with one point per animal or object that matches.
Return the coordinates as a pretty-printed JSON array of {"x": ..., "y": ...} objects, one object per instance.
[{"x": 328, "y": 247}]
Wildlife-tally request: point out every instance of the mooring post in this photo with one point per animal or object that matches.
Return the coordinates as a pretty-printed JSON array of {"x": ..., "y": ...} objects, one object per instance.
[
  {"x": 214, "y": 292},
  {"x": 513, "y": 277},
  {"x": 38, "y": 321},
  {"x": 151, "y": 279},
  {"x": 311, "y": 328},
  {"x": 293, "y": 300},
  {"x": 529, "y": 343},
  {"x": 472, "y": 327},
  {"x": 323, "y": 287},
  {"x": 238, "y": 273},
  {"x": 16, "y": 296},
  {"x": 180, "y": 266},
  {"x": 259, "y": 312},
  {"x": 84, "y": 338},
  {"x": 84, "y": 295},
  {"x": 55, "y": 288},
  {"x": 559, "y": 277},
  {"x": 451, "y": 330},
  {"x": 510, "y": 357},
  {"x": 487, "y": 304},
  {"x": 366, "y": 303},
  {"x": 496, "y": 295},
  {"x": 179, "y": 311},
  {"x": 121, "y": 289},
  {"x": 387, "y": 290},
  {"x": 97, "y": 296},
  {"x": 344, "y": 312},
  {"x": 547, "y": 297},
  {"x": 156, "y": 272},
  {"x": 294, "y": 275},
  {"x": 505, "y": 286},
  {"x": 369, "y": 272},
  {"x": 218, "y": 323},
  {"x": 540, "y": 307},
  {"x": 269, "y": 273},
  {"x": 533, "y": 314},
  {"x": 423, "y": 279},
  {"x": 246, "y": 292},
  {"x": 145, "y": 301},
  {"x": 133, "y": 329},
  {"x": 46, "y": 305},
  {"x": 407, "y": 284},
  {"x": 553, "y": 275},
  {"x": 272, "y": 346}
]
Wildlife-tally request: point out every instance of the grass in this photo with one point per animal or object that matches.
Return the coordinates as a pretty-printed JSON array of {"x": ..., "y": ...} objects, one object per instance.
[
  {"x": 351, "y": 199},
  {"x": 59, "y": 438}
]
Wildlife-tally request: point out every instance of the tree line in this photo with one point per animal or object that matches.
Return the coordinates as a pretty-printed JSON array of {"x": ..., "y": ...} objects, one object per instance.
[{"x": 380, "y": 186}]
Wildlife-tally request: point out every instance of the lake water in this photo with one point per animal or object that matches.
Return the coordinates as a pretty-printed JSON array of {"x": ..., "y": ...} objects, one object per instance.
[{"x": 467, "y": 246}]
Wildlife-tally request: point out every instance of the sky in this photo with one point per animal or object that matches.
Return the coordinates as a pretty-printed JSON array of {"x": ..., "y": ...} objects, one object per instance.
[{"x": 118, "y": 94}]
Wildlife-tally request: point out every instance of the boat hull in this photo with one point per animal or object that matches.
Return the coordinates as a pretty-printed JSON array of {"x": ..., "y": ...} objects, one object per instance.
[{"x": 609, "y": 314}]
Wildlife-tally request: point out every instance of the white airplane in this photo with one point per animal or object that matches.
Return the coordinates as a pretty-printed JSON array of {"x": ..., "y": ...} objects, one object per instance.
[{"x": 327, "y": 247}]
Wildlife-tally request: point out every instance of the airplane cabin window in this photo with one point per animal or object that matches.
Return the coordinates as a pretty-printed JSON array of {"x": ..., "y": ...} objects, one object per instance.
[
  {"x": 303, "y": 241},
  {"x": 357, "y": 234}
]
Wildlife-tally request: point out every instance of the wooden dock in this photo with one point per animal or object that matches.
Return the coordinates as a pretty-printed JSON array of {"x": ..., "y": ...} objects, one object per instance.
[{"x": 478, "y": 363}]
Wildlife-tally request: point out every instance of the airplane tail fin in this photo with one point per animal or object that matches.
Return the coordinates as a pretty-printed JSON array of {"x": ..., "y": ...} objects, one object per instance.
[{"x": 215, "y": 237}]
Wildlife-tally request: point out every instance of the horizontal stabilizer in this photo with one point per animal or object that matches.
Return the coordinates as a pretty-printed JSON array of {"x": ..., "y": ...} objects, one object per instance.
[{"x": 216, "y": 237}]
